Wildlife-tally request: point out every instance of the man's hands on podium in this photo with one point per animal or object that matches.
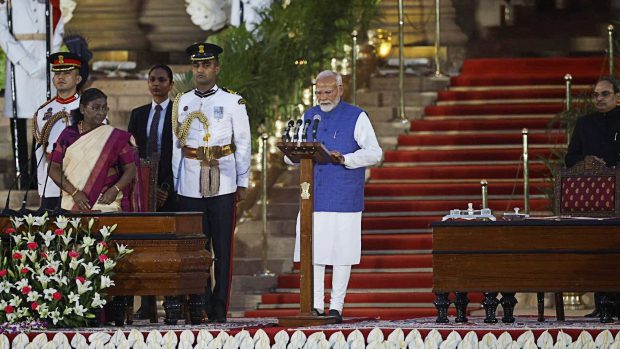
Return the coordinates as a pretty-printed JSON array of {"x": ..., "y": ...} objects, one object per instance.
[
  {"x": 241, "y": 193},
  {"x": 339, "y": 158}
]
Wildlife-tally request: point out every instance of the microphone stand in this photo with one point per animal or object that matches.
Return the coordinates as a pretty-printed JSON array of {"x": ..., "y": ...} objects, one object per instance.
[
  {"x": 59, "y": 210},
  {"x": 23, "y": 210}
]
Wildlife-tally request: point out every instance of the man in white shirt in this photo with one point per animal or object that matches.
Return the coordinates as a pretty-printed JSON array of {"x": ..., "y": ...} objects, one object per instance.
[
  {"x": 211, "y": 163},
  {"x": 52, "y": 118},
  {"x": 346, "y": 131}
]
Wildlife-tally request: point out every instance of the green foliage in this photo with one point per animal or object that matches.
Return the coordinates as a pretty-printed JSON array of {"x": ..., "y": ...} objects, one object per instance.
[{"x": 272, "y": 64}]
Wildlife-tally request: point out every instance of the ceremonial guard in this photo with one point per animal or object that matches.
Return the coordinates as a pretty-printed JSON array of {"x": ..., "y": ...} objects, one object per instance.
[
  {"x": 211, "y": 163},
  {"x": 52, "y": 118},
  {"x": 23, "y": 29}
]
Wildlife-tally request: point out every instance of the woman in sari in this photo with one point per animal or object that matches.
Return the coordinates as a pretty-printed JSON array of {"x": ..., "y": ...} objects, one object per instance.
[{"x": 94, "y": 163}]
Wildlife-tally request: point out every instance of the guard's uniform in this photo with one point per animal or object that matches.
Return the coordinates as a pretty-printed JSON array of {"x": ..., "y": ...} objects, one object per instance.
[
  {"x": 210, "y": 160},
  {"x": 50, "y": 120}
]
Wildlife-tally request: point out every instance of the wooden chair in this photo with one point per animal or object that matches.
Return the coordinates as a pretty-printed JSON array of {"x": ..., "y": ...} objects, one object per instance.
[{"x": 588, "y": 189}]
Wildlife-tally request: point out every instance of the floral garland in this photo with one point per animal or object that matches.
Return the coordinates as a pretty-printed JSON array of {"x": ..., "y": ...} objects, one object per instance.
[
  {"x": 55, "y": 273},
  {"x": 397, "y": 339}
]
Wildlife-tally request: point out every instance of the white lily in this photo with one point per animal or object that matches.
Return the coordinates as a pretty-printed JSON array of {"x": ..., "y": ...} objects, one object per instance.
[
  {"x": 63, "y": 256},
  {"x": 61, "y": 222},
  {"x": 29, "y": 219},
  {"x": 33, "y": 296},
  {"x": 17, "y": 222},
  {"x": 91, "y": 222},
  {"x": 21, "y": 284},
  {"x": 44, "y": 280},
  {"x": 49, "y": 293},
  {"x": 43, "y": 310},
  {"x": 5, "y": 287},
  {"x": 83, "y": 287},
  {"x": 15, "y": 301},
  {"x": 106, "y": 231},
  {"x": 55, "y": 316},
  {"x": 75, "y": 263},
  {"x": 87, "y": 242},
  {"x": 3, "y": 304},
  {"x": 106, "y": 281},
  {"x": 60, "y": 279},
  {"x": 67, "y": 237},
  {"x": 48, "y": 237},
  {"x": 67, "y": 311},
  {"x": 99, "y": 248},
  {"x": 98, "y": 302},
  {"x": 91, "y": 269},
  {"x": 39, "y": 221},
  {"x": 79, "y": 310},
  {"x": 109, "y": 264},
  {"x": 75, "y": 222},
  {"x": 123, "y": 249}
]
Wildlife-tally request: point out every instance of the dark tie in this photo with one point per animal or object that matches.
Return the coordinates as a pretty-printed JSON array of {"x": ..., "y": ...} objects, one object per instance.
[{"x": 152, "y": 140}]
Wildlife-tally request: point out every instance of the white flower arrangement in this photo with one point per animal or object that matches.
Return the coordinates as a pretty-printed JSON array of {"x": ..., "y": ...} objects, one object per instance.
[{"x": 55, "y": 272}]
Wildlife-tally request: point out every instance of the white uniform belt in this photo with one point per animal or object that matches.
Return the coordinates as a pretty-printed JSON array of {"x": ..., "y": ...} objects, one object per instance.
[{"x": 30, "y": 37}]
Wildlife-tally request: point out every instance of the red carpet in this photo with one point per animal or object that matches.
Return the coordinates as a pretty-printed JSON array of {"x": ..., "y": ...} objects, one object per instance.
[
  {"x": 437, "y": 166},
  {"x": 480, "y": 139}
]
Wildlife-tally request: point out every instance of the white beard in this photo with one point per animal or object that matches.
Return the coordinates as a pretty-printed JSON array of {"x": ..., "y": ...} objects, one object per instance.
[{"x": 326, "y": 108}]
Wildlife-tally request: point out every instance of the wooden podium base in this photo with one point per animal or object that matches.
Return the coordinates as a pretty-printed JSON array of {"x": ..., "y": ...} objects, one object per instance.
[{"x": 305, "y": 320}]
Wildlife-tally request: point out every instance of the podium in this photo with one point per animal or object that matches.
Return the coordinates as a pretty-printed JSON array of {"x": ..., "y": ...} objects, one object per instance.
[{"x": 306, "y": 154}]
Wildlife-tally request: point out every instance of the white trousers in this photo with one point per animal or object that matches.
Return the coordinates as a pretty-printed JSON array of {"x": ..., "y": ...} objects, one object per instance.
[{"x": 340, "y": 281}]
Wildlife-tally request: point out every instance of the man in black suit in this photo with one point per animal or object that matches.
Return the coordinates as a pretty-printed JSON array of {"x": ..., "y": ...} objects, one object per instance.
[{"x": 151, "y": 126}]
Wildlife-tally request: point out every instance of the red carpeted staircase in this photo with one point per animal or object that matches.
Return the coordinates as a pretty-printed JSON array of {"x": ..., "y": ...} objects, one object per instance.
[{"x": 472, "y": 133}]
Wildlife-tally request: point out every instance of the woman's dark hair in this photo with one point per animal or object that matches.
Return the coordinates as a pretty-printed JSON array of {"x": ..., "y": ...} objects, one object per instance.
[
  {"x": 164, "y": 68},
  {"x": 88, "y": 96},
  {"x": 614, "y": 83}
]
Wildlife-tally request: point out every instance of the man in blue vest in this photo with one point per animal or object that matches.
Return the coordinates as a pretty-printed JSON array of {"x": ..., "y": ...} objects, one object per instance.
[{"x": 346, "y": 131}]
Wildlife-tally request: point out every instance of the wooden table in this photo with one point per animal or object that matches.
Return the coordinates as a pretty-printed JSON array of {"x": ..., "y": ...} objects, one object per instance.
[
  {"x": 523, "y": 256},
  {"x": 169, "y": 259}
]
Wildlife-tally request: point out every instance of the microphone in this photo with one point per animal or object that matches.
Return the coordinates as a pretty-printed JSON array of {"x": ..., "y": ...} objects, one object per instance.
[
  {"x": 304, "y": 134},
  {"x": 315, "y": 126},
  {"x": 296, "y": 131},
  {"x": 23, "y": 210},
  {"x": 286, "y": 137}
]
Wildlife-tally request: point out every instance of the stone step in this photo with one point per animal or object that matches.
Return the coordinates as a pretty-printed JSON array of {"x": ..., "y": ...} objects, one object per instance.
[
  {"x": 384, "y": 114},
  {"x": 277, "y": 228},
  {"x": 240, "y": 302},
  {"x": 33, "y": 201},
  {"x": 246, "y": 284},
  {"x": 412, "y": 84},
  {"x": 254, "y": 266},
  {"x": 392, "y": 98},
  {"x": 279, "y": 247}
]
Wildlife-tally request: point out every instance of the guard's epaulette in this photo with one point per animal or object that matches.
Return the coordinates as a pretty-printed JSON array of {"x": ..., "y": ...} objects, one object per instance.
[
  {"x": 229, "y": 91},
  {"x": 240, "y": 101},
  {"x": 46, "y": 103}
]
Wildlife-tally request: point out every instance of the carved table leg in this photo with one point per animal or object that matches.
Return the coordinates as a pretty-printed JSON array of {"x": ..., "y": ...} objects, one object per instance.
[
  {"x": 172, "y": 307},
  {"x": 508, "y": 303},
  {"x": 540, "y": 299},
  {"x": 442, "y": 303},
  {"x": 490, "y": 304},
  {"x": 195, "y": 305},
  {"x": 119, "y": 303},
  {"x": 460, "y": 303},
  {"x": 606, "y": 308},
  {"x": 129, "y": 310}
]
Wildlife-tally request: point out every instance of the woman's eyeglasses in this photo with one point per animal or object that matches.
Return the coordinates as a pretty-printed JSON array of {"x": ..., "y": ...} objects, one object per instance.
[{"x": 98, "y": 109}]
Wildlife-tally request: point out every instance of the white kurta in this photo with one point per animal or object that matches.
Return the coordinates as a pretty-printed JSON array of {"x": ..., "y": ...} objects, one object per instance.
[
  {"x": 227, "y": 123},
  {"x": 43, "y": 114},
  {"x": 337, "y": 235},
  {"x": 28, "y": 56}
]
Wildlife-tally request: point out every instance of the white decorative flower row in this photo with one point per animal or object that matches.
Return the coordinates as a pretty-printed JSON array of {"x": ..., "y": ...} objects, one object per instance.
[{"x": 298, "y": 340}]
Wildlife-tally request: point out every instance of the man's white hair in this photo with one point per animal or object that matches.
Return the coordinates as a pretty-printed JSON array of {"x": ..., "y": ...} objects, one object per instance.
[{"x": 330, "y": 74}]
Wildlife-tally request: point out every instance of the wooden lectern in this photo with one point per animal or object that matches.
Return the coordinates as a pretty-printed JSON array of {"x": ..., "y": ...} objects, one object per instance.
[{"x": 306, "y": 153}]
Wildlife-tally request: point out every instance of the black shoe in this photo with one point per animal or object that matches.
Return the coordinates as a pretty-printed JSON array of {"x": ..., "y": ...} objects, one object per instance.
[
  {"x": 335, "y": 313},
  {"x": 595, "y": 313},
  {"x": 317, "y": 312}
]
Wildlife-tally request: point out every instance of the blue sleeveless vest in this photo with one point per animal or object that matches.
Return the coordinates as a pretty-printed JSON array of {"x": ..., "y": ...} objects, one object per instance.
[{"x": 336, "y": 188}]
